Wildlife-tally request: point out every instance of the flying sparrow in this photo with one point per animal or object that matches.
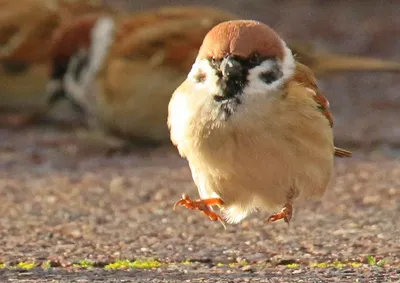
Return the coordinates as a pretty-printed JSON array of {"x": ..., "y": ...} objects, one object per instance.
[{"x": 252, "y": 123}]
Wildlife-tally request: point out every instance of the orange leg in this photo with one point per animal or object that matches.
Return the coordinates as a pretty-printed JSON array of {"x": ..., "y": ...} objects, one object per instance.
[
  {"x": 203, "y": 206},
  {"x": 285, "y": 214}
]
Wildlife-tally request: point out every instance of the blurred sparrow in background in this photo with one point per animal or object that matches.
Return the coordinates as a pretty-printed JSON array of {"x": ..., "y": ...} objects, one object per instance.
[{"x": 123, "y": 70}]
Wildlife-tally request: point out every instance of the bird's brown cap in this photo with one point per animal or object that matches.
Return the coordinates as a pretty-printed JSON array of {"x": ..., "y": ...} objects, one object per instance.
[{"x": 241, "y": 38}]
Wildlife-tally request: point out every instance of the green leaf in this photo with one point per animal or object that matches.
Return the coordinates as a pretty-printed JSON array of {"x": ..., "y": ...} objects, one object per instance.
[{"x": 371, "y": 260}]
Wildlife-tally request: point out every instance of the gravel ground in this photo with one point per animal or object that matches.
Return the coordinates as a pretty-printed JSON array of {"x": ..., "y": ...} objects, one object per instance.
[
  {"x": 63, "y": 202},
  {"x": 64, "y": 199}
]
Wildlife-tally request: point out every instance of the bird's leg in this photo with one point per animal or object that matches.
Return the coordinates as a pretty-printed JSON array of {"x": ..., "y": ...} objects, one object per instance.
[
  {"x": 203, "y": 206},
  {"x": 285, "y": 213}
]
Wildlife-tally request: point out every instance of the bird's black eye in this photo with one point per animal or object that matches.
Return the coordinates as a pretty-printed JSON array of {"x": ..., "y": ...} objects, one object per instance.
[
  {"x": 200, "y": 77},
  {"x": 254, "y": 58},
  {"x": 213, "y": 61},
  {"x": 268, "y": 77}
]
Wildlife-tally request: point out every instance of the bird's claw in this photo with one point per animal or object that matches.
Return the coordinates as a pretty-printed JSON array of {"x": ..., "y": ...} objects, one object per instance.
[
  {"x": 187, "y": 202},
  {"x": 203, "y": 206},
  {"x": 285, "y": 214}
]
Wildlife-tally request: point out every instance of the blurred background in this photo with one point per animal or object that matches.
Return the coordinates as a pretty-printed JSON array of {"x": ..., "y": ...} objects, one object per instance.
[
  {"x": 365, "y": 100},
  {"x": 82, "y": 80}
]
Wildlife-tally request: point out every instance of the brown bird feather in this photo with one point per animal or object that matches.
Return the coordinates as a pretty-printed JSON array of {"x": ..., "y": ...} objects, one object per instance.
[
  {"x": 27, "y": 26},
  {"x": 305, "y": 76}
]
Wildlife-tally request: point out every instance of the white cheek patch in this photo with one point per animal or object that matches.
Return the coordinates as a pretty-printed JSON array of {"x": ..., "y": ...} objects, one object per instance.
[
  {"x": 202, "y": 66},
  {"x": 256, "y": 86}
]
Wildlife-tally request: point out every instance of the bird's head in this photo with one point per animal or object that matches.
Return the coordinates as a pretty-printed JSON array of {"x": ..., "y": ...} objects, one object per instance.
[{"x": 240, "y": 60}]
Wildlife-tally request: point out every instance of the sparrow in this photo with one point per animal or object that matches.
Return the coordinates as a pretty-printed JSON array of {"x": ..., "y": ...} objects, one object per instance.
[
  {"x": 253, "y": 124},
  {"x": 121, "y": 70}
]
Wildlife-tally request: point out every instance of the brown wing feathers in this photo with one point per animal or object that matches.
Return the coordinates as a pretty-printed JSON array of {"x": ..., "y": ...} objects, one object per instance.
[{"x": 305, "y": 76}]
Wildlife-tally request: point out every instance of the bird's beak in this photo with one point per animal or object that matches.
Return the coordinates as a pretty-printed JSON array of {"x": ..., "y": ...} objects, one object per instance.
[
  {"x": 232, "y": 79},
  {"x": 230, "y": 67}
]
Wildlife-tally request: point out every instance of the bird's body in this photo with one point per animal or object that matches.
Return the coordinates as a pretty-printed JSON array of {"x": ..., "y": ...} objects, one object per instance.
[
  {"x": 257, "y": 159},
  {"x": 260, "y": 138}
]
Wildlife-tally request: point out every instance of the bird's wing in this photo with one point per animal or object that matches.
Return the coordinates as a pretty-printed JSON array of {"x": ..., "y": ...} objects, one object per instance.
[
  {"x": 70, "y": 38},
  {"x": 306, "y": 77},
  {"x": 25, "y": 30}
]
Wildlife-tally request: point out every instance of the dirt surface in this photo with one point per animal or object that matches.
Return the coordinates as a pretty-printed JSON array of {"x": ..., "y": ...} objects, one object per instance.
[{"x": 63, "y": 201}]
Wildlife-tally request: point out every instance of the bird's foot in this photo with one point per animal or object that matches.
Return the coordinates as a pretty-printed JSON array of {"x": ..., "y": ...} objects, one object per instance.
[
  {"x": 203, "y": 206},
  {"x": 285, "y": 214}
]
